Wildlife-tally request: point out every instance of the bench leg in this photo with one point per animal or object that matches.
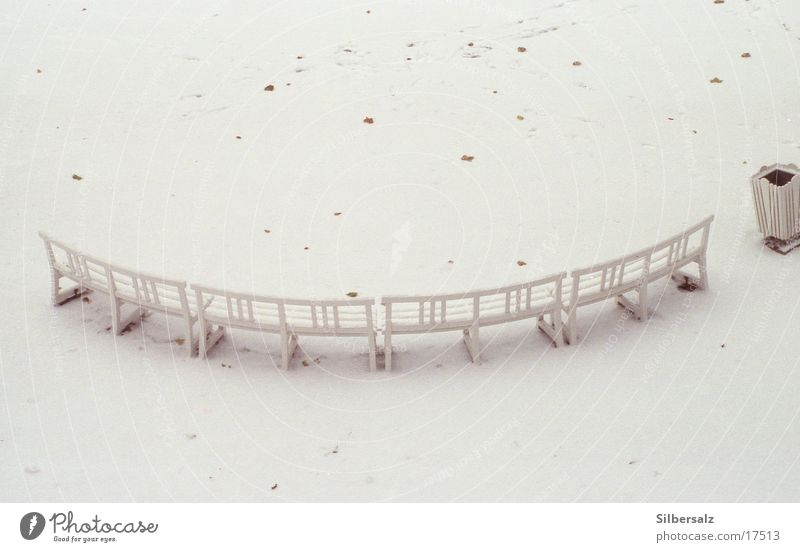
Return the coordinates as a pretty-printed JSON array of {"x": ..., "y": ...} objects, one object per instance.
[
  {"x": 202, "y": 341},
  {"x": 60, "y": 296},
  {"x": 288, "y": 347},
  {"x": 209, "y": 336},
  {"x": 703, "y": 268},
  {"x": 558, "y": 327},
  {"x": 639, "y": 309},
  {"x": 697, "y": 282},
  {"x": 387, "y": 351},
  {"x": 472, "y": 341},
  {"x": 373, "y": 363},
  {"x": 67, "y": 295},
  {"x": 554, "y": 329},
  {"x": 119, "y": 323},
  {"x": 628, "y": 305},
  {"x": 115, "y": 315},
  {"x": 643, "y": 312},
  {"x": 190, "y": 339},
  {"x": 571, "y": 335}
]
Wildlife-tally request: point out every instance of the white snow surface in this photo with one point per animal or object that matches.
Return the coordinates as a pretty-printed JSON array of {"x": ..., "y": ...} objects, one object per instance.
[{"x": 185, "y": 159}]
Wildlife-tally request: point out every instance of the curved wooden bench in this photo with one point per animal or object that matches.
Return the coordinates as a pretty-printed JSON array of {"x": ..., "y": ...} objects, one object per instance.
[
  {"x": 469, "y": 311},
  {"x": 66, "y": 262},
  {"x": 146, "y": 292},
  {"x": 289, "y": 318},
  {"x": 215, "y": 309},
  {"x": 633, "y": 273}
]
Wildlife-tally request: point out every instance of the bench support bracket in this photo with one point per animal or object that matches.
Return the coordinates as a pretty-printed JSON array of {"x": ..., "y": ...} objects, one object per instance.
[
  {"x": 66, "y": 295},
  {"x": 472, "y": 341},
  {"x": 209, "y": 336},
  {"x": 121, "y": 323},
  {"x": 553, "y": 329},
  {"x": 689, "y": 281},
  {"x": 288, "y": 347}
]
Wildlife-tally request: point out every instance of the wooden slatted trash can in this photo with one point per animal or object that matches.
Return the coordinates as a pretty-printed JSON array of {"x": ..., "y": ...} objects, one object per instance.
[{"x": 776, "y": 198}]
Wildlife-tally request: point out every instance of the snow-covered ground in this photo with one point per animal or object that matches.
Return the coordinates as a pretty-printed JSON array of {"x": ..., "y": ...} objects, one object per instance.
[{"x": 595, "y": 129}]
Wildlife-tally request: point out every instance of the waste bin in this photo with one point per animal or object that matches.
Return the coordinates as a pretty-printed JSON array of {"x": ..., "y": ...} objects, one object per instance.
[{"x": 776, "y": 198}]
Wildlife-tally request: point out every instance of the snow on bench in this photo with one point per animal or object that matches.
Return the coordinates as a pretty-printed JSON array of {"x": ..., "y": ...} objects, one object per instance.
[
  {"x": 289, "y": 318},
  {"x": 471, "y": 310},
  {"x": 146, "y": 292},
  {"x": 635, "y": 271}
]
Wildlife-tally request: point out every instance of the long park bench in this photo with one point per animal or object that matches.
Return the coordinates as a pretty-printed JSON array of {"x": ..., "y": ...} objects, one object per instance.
[
  {"x": 216, "y": 309},
  {"x": 145, "y": 292},
  {"x": 289, "y": 318},
  {"x": 633, "y": 273},
  {"x": 468, "y": 312}
]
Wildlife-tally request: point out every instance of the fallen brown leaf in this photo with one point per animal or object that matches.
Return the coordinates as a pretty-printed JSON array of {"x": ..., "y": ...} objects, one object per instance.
[
  {"x": 369, "y": 120},
  {"x": 521, "y": 263},
  {"x": 520, "y": 118},
  {"x": 745, "y": 54},
  {"x": 715, "y": 80},
  {"x": 576, "y": 63},
  {"x": 269, "y": 87},
  {"x": 352, "y": 294},
  {"x": 77, "y": 177},
  {"x": 466, "y": 157},
  {"x": 521, "y": 49}
]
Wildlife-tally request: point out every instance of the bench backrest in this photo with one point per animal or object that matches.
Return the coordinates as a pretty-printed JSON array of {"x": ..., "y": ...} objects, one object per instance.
[
  {"x": 69, "y": 262},
  {"x": 615, "y": 277},
  {"x": 680, "y": 248},
  {"x": 243, "y": 310},
  {"x": 147, "y": 290},
  {"x": 491, "y": 306},
  {"x": 330, "y": 316}
]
